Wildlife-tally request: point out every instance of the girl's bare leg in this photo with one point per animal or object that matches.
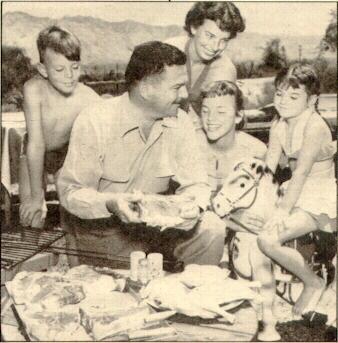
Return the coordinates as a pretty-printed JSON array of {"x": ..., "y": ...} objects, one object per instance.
[
  {"x": 262, "y": 271},
  {"x": 298, "y": 224}
]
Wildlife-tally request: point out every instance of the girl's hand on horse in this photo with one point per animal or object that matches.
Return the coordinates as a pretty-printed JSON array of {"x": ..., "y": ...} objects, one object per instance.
[{"x": 276, "y": 222}]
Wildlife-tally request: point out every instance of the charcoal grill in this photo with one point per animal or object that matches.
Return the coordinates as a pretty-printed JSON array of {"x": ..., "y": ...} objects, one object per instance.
[{"x": 20, "y": 245}]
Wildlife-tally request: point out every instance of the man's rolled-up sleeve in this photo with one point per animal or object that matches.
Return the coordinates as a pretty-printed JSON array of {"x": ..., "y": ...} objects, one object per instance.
[
  {"x": 79, "y": 178},
  {"x": 191, "y": 173}
]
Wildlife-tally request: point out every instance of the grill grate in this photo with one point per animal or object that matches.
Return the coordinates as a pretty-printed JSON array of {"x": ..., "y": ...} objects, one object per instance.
[
  {"x": 110, "y": 260},
  {"x": 22, "y": 244}
]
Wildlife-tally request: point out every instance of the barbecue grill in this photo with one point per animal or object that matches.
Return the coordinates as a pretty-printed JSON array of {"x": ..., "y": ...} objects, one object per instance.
[{"x": 21, "y": 245}]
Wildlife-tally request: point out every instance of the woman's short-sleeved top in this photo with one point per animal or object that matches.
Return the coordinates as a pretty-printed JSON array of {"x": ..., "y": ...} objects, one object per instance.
[{"x": 292, "y": 147}]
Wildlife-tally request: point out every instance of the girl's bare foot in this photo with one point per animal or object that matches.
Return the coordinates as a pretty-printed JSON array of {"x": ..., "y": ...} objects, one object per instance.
[{"x": 309, "y": 297}]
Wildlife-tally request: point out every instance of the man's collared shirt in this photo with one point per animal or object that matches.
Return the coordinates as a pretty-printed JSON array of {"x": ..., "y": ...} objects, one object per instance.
[{"x": 109, "y": 154}]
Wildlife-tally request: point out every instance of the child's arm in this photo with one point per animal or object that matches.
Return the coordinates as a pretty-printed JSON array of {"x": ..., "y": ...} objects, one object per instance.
[
  {"x": 309, "y": 151},
  {"x": 274, "y": 148},
  {"x": 35, "y": 152},
  {"x": 308, "y": 154}
]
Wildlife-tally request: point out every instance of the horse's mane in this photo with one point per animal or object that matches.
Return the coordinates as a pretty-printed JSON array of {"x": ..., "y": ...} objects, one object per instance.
[{"x": 262, "y": 169}]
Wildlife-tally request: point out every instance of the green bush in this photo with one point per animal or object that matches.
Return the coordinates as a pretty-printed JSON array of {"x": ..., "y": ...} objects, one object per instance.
[
  {"x": 326, "y": 69},
  {"x": 327, "y": 72},
  {"x": 16, "y": 69},
  {"x": 274, "y": 55},
  {"x": 330, "y": 38}
]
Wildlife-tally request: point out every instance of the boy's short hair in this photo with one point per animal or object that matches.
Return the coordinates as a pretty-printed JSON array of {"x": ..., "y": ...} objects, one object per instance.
[
  {"x": 299, "y": 74},
  {"x": 150, "y": 59},
  {"x": 223, "y": 88},
  {"x": 225, "y": 14},
  {"x": 59, "y": 40}
]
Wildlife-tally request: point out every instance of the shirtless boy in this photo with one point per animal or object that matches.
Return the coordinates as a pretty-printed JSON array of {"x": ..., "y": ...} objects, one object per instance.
[{"x": 52, "y": 101}]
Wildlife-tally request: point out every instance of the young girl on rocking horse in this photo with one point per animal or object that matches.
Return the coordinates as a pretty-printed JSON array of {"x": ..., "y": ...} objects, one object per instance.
[{"x": 309, "y": 202}]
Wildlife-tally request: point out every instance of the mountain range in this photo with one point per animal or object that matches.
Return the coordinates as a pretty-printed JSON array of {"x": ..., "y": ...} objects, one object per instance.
[{"x": 106, "y": 42}]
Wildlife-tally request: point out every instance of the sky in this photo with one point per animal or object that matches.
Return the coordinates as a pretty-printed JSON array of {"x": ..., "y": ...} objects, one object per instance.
[{"x": 290, "y": 18}]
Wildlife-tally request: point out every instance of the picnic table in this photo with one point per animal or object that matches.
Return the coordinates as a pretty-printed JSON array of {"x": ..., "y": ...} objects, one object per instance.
[{"x": 187, "y": 329}]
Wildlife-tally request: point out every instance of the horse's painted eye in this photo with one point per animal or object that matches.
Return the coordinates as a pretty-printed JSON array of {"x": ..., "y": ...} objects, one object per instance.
[
  {"x": 242, "y": 185},
  {"x": 218, "y": 206}
]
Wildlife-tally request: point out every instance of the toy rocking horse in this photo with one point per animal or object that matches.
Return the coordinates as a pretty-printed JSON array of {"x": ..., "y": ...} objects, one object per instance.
[{"x": 252, "y": 186}]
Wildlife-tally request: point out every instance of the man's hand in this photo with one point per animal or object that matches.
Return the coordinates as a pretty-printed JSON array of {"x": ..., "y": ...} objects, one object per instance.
[
  {"x": 125, "y": 207},
  {"x": 250, "y": 220},
  {"x": 190, "y": 212},
  {"x": 33, "y": 212}
]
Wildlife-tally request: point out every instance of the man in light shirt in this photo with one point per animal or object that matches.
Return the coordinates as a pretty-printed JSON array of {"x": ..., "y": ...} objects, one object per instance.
[{"x": 139, "y": 141}]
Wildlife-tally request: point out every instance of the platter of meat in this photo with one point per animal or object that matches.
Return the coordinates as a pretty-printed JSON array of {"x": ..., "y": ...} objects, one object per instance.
[
  {"x": 80, "y": 305},
  {"x": 162, "y": 211}
]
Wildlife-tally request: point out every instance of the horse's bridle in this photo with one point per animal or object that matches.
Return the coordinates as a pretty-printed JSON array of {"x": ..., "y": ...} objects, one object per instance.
[{"x": 255, "y": 185}]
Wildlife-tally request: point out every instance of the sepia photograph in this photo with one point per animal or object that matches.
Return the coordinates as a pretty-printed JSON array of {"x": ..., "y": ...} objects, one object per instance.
[{"x": 168, "y": 171}]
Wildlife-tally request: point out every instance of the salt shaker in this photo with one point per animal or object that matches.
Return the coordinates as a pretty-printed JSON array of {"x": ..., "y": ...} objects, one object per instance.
[
  {"x": 135, "y": 257},
  {"x": 155, "y": 265}
]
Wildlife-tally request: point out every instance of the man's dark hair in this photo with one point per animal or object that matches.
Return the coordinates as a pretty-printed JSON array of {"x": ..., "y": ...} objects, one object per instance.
[
  {"x": 225, "y": 14},
  {"x": 150, "y": 59}
]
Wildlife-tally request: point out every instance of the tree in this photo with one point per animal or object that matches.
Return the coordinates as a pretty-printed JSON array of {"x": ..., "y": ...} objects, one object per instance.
[
  {"x": 16, "y": 69},
  {"x": 274, "y": 55},
  {"x": 329, "y": 40}
]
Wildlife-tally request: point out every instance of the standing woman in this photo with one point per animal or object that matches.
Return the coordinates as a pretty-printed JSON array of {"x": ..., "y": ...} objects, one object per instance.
[{"x": 210, "y": 26}]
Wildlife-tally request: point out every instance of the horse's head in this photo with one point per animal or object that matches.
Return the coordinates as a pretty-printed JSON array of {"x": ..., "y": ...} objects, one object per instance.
[{"x": 251, "y": 184}]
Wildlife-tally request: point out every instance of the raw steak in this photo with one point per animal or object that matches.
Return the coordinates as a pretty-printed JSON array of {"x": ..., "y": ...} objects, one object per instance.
[
  {"x": 55, "y": 326},
  {"x": 162, "y": 210},
  {"x": 93, "y": 282},
  {"x": 33, "y": 286},
  {"x": 104, "y": 322}
]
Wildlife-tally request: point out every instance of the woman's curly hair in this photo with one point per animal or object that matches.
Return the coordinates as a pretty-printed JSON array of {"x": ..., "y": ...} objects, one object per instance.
[{"x": 225, "y": 14}]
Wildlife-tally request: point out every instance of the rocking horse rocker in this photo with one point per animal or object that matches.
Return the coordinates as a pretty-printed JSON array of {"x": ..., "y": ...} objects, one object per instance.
[{"x": 251, "y": 186}]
